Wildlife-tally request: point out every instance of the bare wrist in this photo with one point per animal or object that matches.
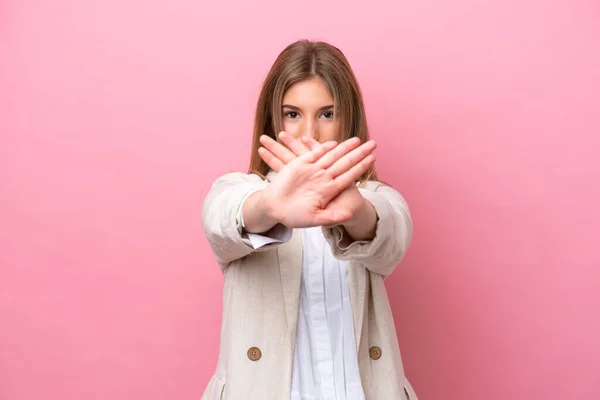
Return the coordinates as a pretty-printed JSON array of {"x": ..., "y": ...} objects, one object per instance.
[
  {"x": 361, "y": 215},
  {"x": 258, "y": 213},
  {"x": 266, "y": 209},
  {"x": 363, "y": 225}
]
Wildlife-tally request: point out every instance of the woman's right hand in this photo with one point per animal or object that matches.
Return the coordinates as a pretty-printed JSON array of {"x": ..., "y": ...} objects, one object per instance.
[{"x": 298, "y": 196}]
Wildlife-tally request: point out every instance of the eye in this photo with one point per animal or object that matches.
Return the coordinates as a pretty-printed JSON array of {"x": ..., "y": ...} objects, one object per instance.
[
  {"x": 328, "y": 114},
  {"x": 291, "y": 114}
]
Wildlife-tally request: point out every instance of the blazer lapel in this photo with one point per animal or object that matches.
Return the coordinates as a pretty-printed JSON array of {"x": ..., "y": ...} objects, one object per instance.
[
  {"x": 290, "y": 267},
  {"x": 357, "y": 279}
]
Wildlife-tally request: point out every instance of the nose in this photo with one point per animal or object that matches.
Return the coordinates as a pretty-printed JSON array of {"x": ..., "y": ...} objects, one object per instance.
[{"x": 311, "y": 130}]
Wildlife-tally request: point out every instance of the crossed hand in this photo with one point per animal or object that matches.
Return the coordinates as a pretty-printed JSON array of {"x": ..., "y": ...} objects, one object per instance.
[{"x": 316, "y": 182}]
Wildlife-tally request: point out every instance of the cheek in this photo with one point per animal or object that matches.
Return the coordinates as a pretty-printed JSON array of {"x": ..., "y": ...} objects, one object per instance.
[
  {"x": 290, "y": 127},
  {"x": 329, "y": 131}
]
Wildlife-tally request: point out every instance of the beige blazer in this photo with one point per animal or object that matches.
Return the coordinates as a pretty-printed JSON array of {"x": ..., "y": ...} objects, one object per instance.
[{"x": 262, "y": 290}]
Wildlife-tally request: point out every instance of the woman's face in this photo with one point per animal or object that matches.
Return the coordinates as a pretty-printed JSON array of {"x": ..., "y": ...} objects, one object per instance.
[{"x": 307, "y": 110}]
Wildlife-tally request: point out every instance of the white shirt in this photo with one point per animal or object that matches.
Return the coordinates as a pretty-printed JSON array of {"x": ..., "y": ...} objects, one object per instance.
[{"x": 325, "y": 365}]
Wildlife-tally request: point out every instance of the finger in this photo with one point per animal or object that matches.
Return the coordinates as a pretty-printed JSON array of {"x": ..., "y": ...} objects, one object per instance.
[
  {"x": 353, "y": 174},
  {"x": 310, "y": 142},
  {"x": 342, "y": 149},
  {"x": 351, "y": 159},
  {"x": 277, "y": 149},
  {"x": 295, "y": 145},
  {"x": 313, "y": 155},
  {"x": 272, "y": 161},
  {"x": 313, "y": 144}
]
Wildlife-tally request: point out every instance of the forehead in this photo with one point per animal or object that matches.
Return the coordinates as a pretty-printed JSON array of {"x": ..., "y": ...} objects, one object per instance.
[{"x": 308, "y": 93}]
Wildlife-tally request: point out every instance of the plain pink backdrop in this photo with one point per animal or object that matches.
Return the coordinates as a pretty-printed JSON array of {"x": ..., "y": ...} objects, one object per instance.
[{"x": 116, "y": 116}]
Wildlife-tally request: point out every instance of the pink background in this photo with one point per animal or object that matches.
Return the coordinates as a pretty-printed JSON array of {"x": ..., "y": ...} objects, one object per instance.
[{"x": 116, "y": 116}]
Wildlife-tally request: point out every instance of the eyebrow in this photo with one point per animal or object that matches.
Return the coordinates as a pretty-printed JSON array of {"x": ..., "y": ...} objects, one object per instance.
[{"x": 298, "y": 108}]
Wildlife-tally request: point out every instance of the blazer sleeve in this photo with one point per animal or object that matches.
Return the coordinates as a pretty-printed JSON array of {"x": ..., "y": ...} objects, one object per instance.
[
  {"x": 393, "y": 232},
  {"x": 221, "y": 220}
]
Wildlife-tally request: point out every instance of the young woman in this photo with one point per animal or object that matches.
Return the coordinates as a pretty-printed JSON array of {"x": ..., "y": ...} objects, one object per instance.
[{"x": 305, "y": 240}]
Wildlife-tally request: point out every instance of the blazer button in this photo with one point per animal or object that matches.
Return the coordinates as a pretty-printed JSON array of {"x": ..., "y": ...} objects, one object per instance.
[
  {"x": 375, "y": 353},
  {"x": 254, "y": 353}
]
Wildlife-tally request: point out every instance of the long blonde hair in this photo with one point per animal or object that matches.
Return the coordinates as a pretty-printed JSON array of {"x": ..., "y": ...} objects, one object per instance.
[{"x": 299, "y": 61}]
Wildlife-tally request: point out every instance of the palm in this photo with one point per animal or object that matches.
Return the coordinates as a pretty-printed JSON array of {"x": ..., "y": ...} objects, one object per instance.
[
  {"x": 318, "y": 192},
  {"x": 302, "y": 194}
]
